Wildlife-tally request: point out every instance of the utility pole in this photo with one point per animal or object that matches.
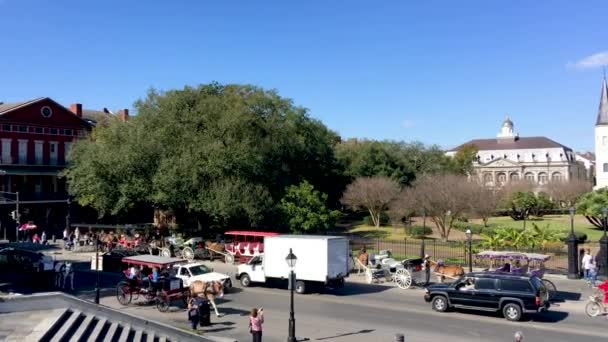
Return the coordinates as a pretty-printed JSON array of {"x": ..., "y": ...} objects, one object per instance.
[{"x": 17, "y": 216}]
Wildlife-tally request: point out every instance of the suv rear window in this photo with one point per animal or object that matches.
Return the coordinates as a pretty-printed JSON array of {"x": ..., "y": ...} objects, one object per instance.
[
  {"x": 484, "y": 284},
  {"x": 516, "y": 285}
]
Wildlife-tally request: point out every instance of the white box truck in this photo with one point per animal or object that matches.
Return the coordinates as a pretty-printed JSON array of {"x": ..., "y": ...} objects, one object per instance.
[{"x": 321, "y": 260}]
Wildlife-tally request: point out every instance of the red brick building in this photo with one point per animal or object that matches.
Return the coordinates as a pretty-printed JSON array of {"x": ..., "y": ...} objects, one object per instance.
[{"x": 35, "y": 138}]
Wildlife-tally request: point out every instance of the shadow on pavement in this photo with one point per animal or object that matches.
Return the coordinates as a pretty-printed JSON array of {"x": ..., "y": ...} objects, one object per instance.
[
  {"x": 563, "y": 296},
  {"x": 232, "y": 311},
  {"x": 354, "y": 289},
  {"x": 543, "y": 317},
  {"x": 365, "y": 331}
]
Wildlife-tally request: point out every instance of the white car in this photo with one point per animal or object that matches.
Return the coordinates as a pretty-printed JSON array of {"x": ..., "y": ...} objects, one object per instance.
[{"x": 198, "y": 271}]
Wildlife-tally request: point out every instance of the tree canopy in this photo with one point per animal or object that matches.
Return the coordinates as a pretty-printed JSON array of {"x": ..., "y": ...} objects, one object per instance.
[
  {"x": 223, "y": 152},
  {"x": 591, "y": 205},
  {"x": 305, "y": 209}
]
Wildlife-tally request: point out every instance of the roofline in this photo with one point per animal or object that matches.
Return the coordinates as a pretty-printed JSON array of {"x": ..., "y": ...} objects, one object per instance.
[
  {"x": 24, "y": 104},
  {"x": 471, "y": 142},
  {"x": 41, "y": 99}
]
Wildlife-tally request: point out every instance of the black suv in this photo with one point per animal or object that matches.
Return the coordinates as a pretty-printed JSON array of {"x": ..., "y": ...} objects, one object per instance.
[{"x": 514, "y": 295}]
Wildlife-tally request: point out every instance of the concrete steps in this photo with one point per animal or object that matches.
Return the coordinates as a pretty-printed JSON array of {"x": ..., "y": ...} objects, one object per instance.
[{"x": 75, "y": 326}]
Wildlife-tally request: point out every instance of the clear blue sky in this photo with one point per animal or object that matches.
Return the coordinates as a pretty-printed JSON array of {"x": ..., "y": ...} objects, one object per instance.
[{"x": 436, "y": 71}]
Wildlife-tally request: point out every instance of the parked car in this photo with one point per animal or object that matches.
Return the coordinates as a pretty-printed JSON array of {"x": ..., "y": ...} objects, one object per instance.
[
  {"x": 513, "y": 295},
  {"x": 197, "y": 271},
  {"x": 22, "y": 260}
]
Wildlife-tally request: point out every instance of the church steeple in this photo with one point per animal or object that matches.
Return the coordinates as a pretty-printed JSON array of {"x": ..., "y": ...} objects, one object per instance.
[{"x": 602, "y": 113}]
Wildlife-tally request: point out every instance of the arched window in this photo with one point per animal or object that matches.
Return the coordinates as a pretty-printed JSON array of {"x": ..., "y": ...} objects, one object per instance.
[
  {"x": 543, "y": 178},
  {"x": 529, "y": 176},
  {"x": 487, "y": 178},
  {"x": 501, "y": 177},
  {"x": 557, "y": 177},
  {"x": 514, "y": 177},
  {"x": 605, "y": 167}
]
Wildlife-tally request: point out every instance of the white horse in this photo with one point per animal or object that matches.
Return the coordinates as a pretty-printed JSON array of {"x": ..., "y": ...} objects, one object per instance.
[{"x": 63, "y": 271}]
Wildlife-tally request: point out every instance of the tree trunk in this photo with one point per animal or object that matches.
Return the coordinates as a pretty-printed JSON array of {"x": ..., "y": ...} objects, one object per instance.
[
  {"x": 485, "y": 221},
  {"x": 375, "y": 219}
]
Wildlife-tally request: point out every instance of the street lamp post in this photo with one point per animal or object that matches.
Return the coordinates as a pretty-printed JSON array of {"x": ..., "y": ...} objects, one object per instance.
[
  {"x": 97, "y": 268},
  {"x": 291, "y": 262},
  {"x": 604, "y": 220},
  {"x": 572, "y": 248},
  {"x": 469, "y": 235},
  {"x": 603, "y": 255}
]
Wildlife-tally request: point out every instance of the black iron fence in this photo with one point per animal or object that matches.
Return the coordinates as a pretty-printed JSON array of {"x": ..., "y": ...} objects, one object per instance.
[{"x": 456, "y": 252}]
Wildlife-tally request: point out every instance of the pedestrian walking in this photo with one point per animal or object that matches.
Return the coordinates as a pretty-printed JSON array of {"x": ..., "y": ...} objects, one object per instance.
[
  {"x": 193, "y": 317},
  {"x": 586, "y": 263},
  {"x": 43, "y": 238},
  {"x": 593, "y": 272},
  {"x": 256, "y": 319},
  {"x": 427, "y": 269}
]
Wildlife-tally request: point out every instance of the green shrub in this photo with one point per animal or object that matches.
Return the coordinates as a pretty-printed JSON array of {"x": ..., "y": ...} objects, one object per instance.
[
  {"x": 419, "y": 231},
  {"x": 384, "y": 220},
  {"x": 475, "y": 228}
]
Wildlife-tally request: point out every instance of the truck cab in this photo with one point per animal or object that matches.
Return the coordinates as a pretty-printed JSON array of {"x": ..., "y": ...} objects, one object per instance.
[{"x": 252, "y": 271}]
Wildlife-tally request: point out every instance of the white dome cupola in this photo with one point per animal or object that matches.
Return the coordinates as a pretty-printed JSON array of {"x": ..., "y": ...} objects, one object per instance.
[{"x": 507, "y": 130}]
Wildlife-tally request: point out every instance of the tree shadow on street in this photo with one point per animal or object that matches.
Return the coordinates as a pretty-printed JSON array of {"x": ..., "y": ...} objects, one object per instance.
[
  {"x": 354, "y": 289},
  {"x": 364, "y": 331}
]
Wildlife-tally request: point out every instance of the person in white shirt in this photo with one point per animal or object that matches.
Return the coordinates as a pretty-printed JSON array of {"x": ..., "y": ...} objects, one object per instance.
[{"x": 586, "y": 263}]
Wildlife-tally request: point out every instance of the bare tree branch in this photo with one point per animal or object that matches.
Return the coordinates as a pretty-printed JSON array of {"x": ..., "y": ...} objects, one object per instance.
[
  {"x": 373, "y": 194},
  {"x": 444, "y": 197}
]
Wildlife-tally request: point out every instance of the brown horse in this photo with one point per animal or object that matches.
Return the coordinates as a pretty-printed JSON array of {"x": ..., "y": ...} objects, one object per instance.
[
  {"x": 447, "y": 271},
  {"x": 208, "y": 290},
  {"x": 214, "y": 246}
]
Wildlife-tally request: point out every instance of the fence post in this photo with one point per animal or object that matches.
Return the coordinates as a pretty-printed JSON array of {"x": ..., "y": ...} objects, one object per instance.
[
  {"x": 422, "y": 248},
  {"x": 377, "y": 246}
]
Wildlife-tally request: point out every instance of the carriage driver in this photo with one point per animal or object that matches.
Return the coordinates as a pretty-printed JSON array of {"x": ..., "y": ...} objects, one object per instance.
[
  {"x": 426, "y": 265},
  {"x": 469, "y": 284}
]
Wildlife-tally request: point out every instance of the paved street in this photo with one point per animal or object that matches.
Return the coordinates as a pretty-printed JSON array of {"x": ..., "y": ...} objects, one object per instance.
[{"x": 364, "y": 312}]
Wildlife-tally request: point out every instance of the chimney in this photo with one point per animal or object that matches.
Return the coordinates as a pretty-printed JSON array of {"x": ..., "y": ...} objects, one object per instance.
[
  {"x": 123, "y": 115},
  {"x": 76, "y": 108}
]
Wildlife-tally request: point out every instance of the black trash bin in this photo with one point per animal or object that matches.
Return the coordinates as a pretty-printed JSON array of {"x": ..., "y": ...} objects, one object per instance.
[{"x": 204, "y": 312}]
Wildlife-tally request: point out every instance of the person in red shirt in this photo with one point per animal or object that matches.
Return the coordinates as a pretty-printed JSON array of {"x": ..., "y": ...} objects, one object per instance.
[{"x": 604, "y": 286}]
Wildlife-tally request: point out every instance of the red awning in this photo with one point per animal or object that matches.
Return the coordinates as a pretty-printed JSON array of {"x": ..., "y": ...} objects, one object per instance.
[{"x": 250, "y": 233}]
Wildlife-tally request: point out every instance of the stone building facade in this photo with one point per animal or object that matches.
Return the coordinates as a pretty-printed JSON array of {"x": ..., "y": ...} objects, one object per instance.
[{"x": 509, "y": 157}]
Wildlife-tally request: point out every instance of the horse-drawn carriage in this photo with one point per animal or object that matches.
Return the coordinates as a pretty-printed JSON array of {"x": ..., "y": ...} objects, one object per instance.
[
  {"x": 244, "y": 245},
  {"x": 162, "y": 293},
  {"x": 512, "y": 262},
  {"x": 382, "y": 266},
  {"x": 194, "y": 248}
]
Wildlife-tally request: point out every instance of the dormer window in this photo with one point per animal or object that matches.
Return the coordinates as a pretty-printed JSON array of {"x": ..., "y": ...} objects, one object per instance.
[{"x": 505, "y": 156}]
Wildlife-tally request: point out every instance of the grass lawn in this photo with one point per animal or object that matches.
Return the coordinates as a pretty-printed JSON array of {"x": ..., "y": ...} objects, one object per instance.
[{"x": 561, "y": 222}]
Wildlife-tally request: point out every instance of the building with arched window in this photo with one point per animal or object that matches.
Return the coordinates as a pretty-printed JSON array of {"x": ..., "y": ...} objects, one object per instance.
[{"x": 509, "y": 158}]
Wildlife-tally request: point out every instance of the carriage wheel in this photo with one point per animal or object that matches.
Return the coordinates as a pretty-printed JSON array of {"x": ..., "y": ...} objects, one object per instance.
[
  {"x": 162, "y": 303},
  {"x": 403, "y": 278},
  {"x": 165, "y": 252},
  {"x": 123, "y": 293},
  {"x": 188, "y": 253},
  {"x": 229, "y": 259},
  {"x": 551, "y": 289}
]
